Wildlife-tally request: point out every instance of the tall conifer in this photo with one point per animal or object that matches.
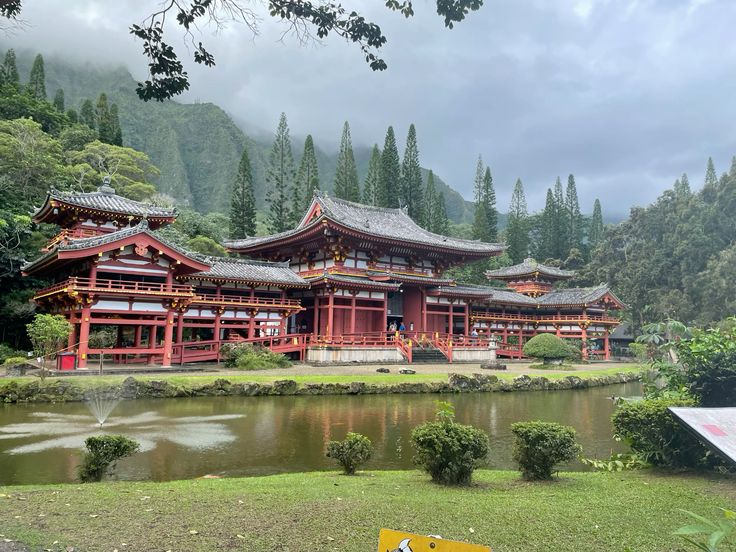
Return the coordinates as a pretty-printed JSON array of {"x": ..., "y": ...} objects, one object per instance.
[
  {"x": 547, "y": 246},
  {"x": 517, "y": 230},
  {"x": 243, "y": 202},
  {"x": 59, "y": 100},
  {"x": 388, "y": 193},
  {"x": 562, "y": 239},
  {"x": 431, "y": 207},
  {"x": 10, "y": 70},
  {"x": 105, "y": 130},
  {"x": 346, "y": 172},
  {"x": 411, "y": 178},
  {"x": 307, "y": 177},
  {"x": 711, "y": 178},
  {"x": 574, "y": 218},
  {"x": 87, "y": 114},
  {"x": 595, "y": 235},
  {"x": 372, "y": 177},
  {"x": 443, "y": 222},
  {"x": 489, "y": 198},
  {"x": 37, "y": 80},
  {"x": 280, "y": 179},
  {"x": 480, "y": 217},
  {"x": 116, "y": 132}
]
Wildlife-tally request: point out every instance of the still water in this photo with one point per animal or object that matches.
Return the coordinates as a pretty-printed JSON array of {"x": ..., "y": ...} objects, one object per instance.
[{"x": 229, "y": 436}]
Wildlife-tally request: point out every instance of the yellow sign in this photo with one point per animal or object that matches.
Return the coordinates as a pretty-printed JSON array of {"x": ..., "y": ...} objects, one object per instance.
[{"x": 395, "y": 541}]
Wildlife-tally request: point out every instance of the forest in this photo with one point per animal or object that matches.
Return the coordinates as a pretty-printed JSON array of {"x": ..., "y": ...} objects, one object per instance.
[{"x": 667, "y": 260}]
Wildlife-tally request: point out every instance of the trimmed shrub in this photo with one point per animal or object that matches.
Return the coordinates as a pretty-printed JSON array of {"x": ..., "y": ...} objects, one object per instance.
[
  {"x": 6, "y": 351},
  {"x": 13, "y": 361},
  {"x": 102, "y": 454},
  {"x": 246, "y": 356},
  {"x": 540, "y": 446},
  {"x": 656, "y": 437},
  {"x": 548, "y": 348},
  {"x": 449, "y": 451},
  {"x": 351, "y": 453}
]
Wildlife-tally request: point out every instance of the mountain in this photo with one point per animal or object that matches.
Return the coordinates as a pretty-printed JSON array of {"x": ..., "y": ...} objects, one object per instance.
[{"x": 196, "y": 146}]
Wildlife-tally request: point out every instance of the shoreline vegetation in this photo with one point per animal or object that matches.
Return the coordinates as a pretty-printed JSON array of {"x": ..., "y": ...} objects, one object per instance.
[
  {"x": 77, "y": 389},
  {"x": 327, "y": 511}
]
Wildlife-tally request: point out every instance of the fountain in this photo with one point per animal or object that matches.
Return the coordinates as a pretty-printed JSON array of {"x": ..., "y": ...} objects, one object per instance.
[{"x": 101, "y": 404}]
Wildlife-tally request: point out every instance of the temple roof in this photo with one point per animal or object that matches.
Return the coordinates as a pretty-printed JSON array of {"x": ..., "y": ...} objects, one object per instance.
[
  {"x": 104, "y": 200},
  {"x": 409, "y": 278},
  {"x": 573, "y": 297},
  {"x": 379, "y": 222},
  {"x": 249, "y": 271},
  {"x": 353, "y": 281},
  {"x": 529, "y": 267}
]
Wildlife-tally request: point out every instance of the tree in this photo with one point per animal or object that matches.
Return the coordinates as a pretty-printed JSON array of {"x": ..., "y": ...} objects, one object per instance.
[
  {"x": 346, "y": 173},
  {"x": 711, "y": 179},
  {"x": 243, "y": 202},
  {"x": 480, "y": 218},
  {"x": 87, "y": 114},
  {"x": 443, "y": 222},
  {"x": 10, "y": 75},
  {"x": 304, "y": 18},
  {"x": 682, "y": 186},
  {"x": 561, "y": 229},
  {"x": 489, "y": 198},
  {"x": 280, "y": 179},
  {"x": 595, "y": 234},
  {"x": 307, "y": 177},
  {"x": 75, "y": 137},
  {"x": 574, "y": 218},
  {"x": 411, "y": 178},
  {"x": 116, "y": 132},
  {"x": 547, "y": 242},
  {"x": 372, "y": 177},
  {"x": 49, "y": 334},
  {"x": 59, "y": 100},
  {"x": 205, "y": 246},
  {"x": 517, "y": 230},
  {"x": 37, "y": 80},
  {"x": 388, "y": 192},
  {"x": 103, "y": 119},
  {"x": 431, "y": 208}
]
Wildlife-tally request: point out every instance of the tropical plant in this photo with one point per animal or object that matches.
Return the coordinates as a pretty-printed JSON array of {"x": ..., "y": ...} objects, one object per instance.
[
  {"x": 715, "y": 531},
  {"x": 351, "y": 453},
  {"x": 616, "y": 463},
  {"x": 102, "y": 454},
  {"x": 540, "y": 446}
]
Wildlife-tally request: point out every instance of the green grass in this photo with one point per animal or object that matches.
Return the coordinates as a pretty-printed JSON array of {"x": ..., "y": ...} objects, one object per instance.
[
  {"x": 634, "y": 511},
  {"x": 204, "y": 379}
]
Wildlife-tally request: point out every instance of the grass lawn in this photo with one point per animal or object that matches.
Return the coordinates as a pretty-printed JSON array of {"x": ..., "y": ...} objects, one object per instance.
[
  {"x": 195, "y": 380},
  {"x": 635, "y": 511}
]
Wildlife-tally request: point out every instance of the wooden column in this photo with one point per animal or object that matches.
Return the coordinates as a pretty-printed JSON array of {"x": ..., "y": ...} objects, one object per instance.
[
  {"x": 467, "y": 319},
  {"x": 83, "y": 337},
  {"x": 330, "y": 313},
  {"x": 585, "y": 342},
  {"x": 168, "y": 339},
  {"x": 252, "y": 324},
  {"x": 385, "y": 312},
  {"x": 424, "y": 311},
  {"x": 180, "y": 328},
  {"x": 218, "y": 314},
  {"x": 521, "y": 341},
  {"x": 352, "y": 313},
  {"x": 137, "y": 337},
  {"x": 606, "y": 349},
  {"x": 315, "y": 320}
]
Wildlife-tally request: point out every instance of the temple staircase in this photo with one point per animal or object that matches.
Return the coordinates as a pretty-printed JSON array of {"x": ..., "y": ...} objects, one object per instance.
[{"x": 427, "y": 354}]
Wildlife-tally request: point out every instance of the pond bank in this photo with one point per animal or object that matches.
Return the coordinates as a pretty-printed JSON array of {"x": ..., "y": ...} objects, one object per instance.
[{"x": 74, "y": 390}]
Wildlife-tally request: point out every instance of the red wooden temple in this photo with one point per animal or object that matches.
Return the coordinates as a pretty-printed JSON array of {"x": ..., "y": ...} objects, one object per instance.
[{"x": 328, "y": 290}]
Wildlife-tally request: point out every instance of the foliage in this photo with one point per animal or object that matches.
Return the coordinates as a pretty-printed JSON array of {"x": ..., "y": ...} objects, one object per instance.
[
  {"x": 639, "y": 351},
  {"x": 102, "y": 454},
  {"x": 388, "y": 190},
  {"x": 616, "y": 463},
  {"x": 352, "y": 452},
  {"x": 307, "y": 177},
  {"x": 102, "y": 339},
  {"x": 372, "y": 177},
  {"x": 48, "y": 334},
  {"x": 517, "y": 231},
  {"x": 651, "y": 431},
  {"x": 715, "y": 531},
  {"x": 6, "y": 351},
  {"x": 710, "y": 361},
  {"x": 412, "y": 186},
  {"x": 346, "y": 184},
  {"x": 76, "y": 136},
  {"x": 246, "y": 356},
  {"x": 205, "y": 246},
  {"x": 280, "y": 180},
  {"x": 548, "y": 347},
  {"x": 447, "y": 450},
  {"x": 14, "y": 360},
  {"x": 539, "y": 446}
]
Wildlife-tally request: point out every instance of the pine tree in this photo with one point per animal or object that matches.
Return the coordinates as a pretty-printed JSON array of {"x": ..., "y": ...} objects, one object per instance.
[
  {"x": 480, "y": 217},
  {"x": 87, "y": 114},
  {"x": 103, "y": 119},
  {"x": 72, "y": 115},
  {"x": 517, "y": 230},
  {"x": 547, "y": 246},
  {"x": 307, "y": 177},
  {"x": 372, "y": 177},
  {"x": 431, "y": 207},
  {"x": 682, "y": 186},
  {"x": 280, "y": 179},
  {"x": 59, "y": 100},
  {"x": 443, "y": 222},
  {"x": 489, "y": 198},
  {"x": 562, "y": 239},
  {"x": 711, "y": 179},
  {"x": 411, "y": 178},
  {"x": 595, "y": 234},
  {"x": 10, "y": 75},
  {"x": 243, "y": 202},
  {"x": 346, "y": 173},
  {"x": 37, "y": 80},
  {"x": 388, "y": 191},
  {"x": 116, "y": 130},
  {"x": 574, "y": 218}
]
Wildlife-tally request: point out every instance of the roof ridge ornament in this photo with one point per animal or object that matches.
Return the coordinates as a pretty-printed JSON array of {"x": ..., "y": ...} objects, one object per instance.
[
  {"x": 106, "y": 189},
  {"x": 143, "y": 224}
]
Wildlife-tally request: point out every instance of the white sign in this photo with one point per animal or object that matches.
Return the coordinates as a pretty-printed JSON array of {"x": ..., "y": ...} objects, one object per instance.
[{"x": 716, "y": 427}]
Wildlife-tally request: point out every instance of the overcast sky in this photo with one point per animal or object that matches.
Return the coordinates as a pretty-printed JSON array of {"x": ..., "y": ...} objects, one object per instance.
[{"x": 625, "y": 94}]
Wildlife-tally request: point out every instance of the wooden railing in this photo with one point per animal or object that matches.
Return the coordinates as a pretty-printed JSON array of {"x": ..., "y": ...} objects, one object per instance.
[
  {"x": 117, "y": 287},
  {"x": 75, "y": 233},
  {"x": 542, "y": 318},
  {"x": 246, "y": 301}
]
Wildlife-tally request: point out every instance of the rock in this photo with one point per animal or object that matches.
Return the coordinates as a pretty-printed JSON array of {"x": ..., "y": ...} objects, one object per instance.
[
  {"x": 357, "y": 387},
  {"x": 20, "y": 369},
  {"x": 492, "y": 365},
  {"x": 383, "y": 370},
  {"x": 462, "y": 383},
  {"x": 284, "y": 387},
  {"x": 521, "y": 383},
  {"x": 407, "y": 371}
]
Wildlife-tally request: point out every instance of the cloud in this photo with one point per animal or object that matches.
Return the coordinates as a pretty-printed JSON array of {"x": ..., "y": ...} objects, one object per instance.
[{"x": 626, "y": 95}]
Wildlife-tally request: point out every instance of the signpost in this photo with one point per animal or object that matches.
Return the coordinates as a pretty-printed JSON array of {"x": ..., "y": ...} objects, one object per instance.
[
  {"x": 396, "y": 541},
  {"x": 716, "y": 427}
]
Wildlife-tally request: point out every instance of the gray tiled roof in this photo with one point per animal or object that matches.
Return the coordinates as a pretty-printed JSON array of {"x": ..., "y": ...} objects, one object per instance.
[
  {"x": 249, "y": 271},
  {"x": 574, "y": 296},
  {"x": 529, "y": 266},
  {"x": 105, "y": 199},
  {"x": 411, "y": 278},
  {"x": 562, "y": 297},
  {"x": 353, "y": 280},
  {"x": 393, "y": 224}
]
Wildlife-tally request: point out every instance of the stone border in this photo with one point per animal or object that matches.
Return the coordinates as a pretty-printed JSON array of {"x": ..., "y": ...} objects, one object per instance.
[{"x": 131, "y": 388}]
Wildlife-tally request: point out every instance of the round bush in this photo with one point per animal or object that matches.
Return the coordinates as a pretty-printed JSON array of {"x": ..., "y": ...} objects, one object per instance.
[
  {"x": 449, "y": 451},
  {"x": 351, "y": 453},
  {"x": 539, "y": 446},
  {"x": 102, "y": 454},
  {"x": 547, "y": 347},
  {"x": 247, "y": 356}
]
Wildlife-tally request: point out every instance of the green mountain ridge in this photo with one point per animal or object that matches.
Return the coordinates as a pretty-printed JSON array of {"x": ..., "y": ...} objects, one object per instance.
[{"x": 196, "y": 146}]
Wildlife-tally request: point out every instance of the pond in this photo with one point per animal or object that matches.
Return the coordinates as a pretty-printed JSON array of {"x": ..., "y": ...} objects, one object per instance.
[{"x": 234, "y": 436}]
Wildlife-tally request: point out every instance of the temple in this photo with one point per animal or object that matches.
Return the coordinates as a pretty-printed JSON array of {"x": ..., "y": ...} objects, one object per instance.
[{"x": 349, "y": 283}]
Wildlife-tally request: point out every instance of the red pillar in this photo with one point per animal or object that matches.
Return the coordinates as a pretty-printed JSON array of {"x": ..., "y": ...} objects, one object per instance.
[
  {"x": 83, "y": 337},
  {"x": 179, "y": 327},
  {"x": 467, "y": 319},
  {"x": 424, "y": 311},
  {"x": 521, "y": 341},
  {"x": 606, "y": 349},
  {"x": 168, "y": 339},
  {"x": 330, "y": 313},
  {"x": 585, "y": 343},
  {"x": 216, "y": 333},
  {"x": 352, "y": 314},
  {"x": 138, "y": 335},
  {"x": 385, "y": 312},
  {"x": 315, "y": 320},
  {"x": 252, "y": 324}
]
